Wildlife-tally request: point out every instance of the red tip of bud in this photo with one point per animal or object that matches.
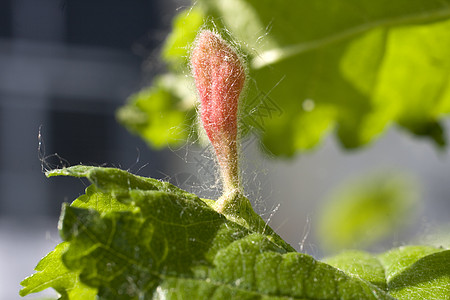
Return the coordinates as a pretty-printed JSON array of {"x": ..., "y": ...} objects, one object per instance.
[{"x": 219, "y": 76}]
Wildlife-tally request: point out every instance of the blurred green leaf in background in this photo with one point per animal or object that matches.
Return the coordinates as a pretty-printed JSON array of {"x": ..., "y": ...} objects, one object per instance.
[
  {"x": 367, "y": 210},
  {"x": 344, "y": 66}
]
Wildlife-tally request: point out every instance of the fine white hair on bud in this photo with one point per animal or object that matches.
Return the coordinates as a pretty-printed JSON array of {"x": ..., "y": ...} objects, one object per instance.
[{"x": 219, "y": 77}]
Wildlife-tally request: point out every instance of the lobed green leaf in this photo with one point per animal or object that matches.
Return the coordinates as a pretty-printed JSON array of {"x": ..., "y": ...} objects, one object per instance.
[{"x": 132, "y": 237}]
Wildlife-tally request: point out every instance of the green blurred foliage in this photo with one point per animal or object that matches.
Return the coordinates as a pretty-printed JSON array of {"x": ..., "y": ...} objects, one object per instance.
[
  {"x": 367, "y": 210},
  {"x": 347, "y": 66}
]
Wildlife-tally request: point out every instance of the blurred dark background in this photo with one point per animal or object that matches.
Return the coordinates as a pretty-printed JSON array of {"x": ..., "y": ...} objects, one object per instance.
[{"x": 65, "y": 67}]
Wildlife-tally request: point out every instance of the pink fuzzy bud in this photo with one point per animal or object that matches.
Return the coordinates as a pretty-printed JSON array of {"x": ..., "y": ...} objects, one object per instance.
[{"x": 219, "y": 76}]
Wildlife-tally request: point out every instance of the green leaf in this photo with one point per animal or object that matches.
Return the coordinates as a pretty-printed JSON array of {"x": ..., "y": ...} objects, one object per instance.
[
  {"x": 185, "y": 26},
  {"x": 116, "y": 184},
  {"x": 51, "y": 272},
  {"x": 131, "y": 237},
  {"x": 349, "y": 66},
  {"x": 362, "y": 264},
  {"x": 175, "y": 246},
  {"x": 112, "y": 183},
  {"x": 131, "y": 256},
  {"x": 418, "y": 272},
  {"x": 410, "y": 272},
  {"x": 161, "y": 114},
  {"x": 367, "y": 210},
  {"x": 162, "y": 242}
]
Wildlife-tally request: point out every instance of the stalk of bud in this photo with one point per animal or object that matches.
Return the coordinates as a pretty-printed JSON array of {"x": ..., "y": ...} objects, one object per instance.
[{"x": 219, "y": 76}]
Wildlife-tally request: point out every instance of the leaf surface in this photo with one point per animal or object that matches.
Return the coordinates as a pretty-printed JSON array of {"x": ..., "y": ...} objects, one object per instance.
[
  {"x": 163, "y": 243},
  {"x": 409, "y": 272},
  {"x": 51, "y": 272}
]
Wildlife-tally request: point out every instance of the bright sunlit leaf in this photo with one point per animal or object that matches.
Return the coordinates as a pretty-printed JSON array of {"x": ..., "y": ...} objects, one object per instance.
[{"x": 131, "y": 237}]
